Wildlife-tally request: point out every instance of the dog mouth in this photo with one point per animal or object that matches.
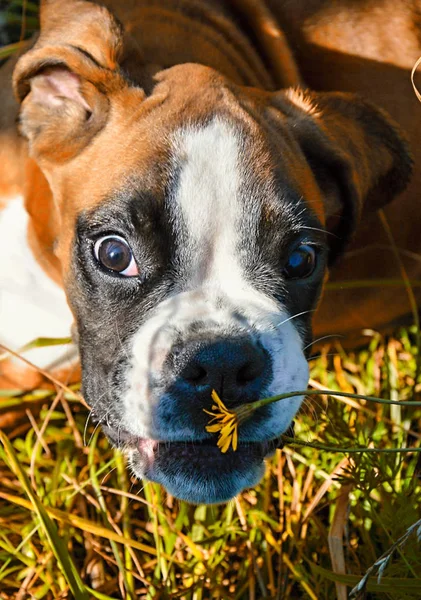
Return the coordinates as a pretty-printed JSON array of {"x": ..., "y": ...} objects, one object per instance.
[
  {"x": 196, "y": 471},
  {"x": 205, "y": 447}
]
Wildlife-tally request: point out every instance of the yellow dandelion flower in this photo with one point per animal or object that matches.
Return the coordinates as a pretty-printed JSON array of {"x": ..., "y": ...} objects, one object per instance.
[{"x": 224, "y": 422}]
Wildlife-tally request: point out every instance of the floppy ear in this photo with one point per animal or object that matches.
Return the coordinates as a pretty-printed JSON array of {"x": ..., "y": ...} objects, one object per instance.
[
  {"x": 359, "y": 157},
  {"x": 64, "y": 80}
]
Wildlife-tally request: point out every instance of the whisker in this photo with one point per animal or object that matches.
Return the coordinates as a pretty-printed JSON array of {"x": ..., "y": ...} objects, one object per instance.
[
  {"x": 294, "y": 317},
  {"x": 311, "y": 411},
  {"x": 100, "y": 422},
  {"x": 320, "y": 355},
  {"x": 107, "y": 475},
  {"x": 140, "y": 490},
  {"x": 324, "y": 337},
  {"x": 93, "y": 433},
  {"x": 91, "y": 412},
  {"x": 321, "y": 230},
  {"x": 85, "y": 429},
  {"x": 310, "y": 401}
]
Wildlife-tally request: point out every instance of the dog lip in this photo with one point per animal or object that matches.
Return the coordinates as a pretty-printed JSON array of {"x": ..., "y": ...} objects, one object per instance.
[
  {"x": 119, "y": 437},
  {"x": 148, "y": 446},
  {"x": 198, "y": 472}
]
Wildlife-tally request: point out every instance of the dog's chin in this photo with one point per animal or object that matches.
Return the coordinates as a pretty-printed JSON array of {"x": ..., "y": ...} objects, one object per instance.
[{"x": 198, "y": 472}]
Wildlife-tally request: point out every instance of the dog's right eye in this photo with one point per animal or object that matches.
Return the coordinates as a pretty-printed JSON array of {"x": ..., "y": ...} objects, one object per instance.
[
  {"x": 114, "y": 254},
  {"x": 301, "y": 262}
]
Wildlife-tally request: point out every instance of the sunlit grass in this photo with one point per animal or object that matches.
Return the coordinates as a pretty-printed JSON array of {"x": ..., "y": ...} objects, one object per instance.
[{"x": 125, "y": 538}]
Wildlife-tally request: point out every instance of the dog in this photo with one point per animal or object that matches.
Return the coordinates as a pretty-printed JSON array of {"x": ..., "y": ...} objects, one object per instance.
[{"x": 175, "y": 191}]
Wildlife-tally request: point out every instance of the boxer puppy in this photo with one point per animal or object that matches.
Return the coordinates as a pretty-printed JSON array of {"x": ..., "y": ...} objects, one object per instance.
[{"x": 190, "y": 212}]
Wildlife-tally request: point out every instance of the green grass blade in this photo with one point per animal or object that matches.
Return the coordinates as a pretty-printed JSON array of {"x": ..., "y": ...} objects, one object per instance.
[
  {"x": 59, "y": 549},
  {"x": 80, "y": 523},
  {"x": 10, "y": 49}
]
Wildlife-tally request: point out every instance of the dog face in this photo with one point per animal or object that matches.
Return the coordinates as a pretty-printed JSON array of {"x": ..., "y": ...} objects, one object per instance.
[
  {"x": 198, "y": 271},
  {"x": 193, "y": 242}
]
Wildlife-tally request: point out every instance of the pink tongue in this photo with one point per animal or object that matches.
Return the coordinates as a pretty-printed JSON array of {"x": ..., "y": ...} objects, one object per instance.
[{"x": 147, "y": 447}]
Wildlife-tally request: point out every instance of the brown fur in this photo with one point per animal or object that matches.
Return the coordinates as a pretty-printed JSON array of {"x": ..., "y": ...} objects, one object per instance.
[{"x": 367, "y": 47}]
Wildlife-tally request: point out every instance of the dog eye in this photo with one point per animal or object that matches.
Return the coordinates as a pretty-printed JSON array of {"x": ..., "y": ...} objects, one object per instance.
[
  {"x": 301, "y": 262},
  {"x": 114, "y": 254}
]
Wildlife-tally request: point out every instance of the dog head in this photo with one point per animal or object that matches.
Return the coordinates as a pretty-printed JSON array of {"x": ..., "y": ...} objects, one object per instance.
[{"x": 194, "y": 228}]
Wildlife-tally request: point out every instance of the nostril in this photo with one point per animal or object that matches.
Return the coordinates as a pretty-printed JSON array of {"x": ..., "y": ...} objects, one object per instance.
[
  {"x": 195, "y": 374},
  {"x": 249, "y": 372},
  {"x": 238, "y": 366}
]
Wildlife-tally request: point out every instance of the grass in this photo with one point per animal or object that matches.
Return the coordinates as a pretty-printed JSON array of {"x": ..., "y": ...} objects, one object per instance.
[{"x": 73, "y": 523}]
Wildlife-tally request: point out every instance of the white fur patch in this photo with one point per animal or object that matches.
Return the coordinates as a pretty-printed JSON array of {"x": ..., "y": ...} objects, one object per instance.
[
  {"x": 31, "y": 304},
  {"x": 208, "y": 199}
]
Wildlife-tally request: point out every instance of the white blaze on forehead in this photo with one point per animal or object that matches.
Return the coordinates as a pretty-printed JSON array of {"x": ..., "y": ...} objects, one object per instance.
[{"x": 208, "y": 200}]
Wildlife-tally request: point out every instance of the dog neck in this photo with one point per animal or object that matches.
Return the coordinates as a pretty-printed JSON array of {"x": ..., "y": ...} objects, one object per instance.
[{"x": 240, "y": 39}]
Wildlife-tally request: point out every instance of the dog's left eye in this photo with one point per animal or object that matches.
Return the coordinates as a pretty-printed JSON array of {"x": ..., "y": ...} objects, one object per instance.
[
  {"x": 301, "y": 262},
  {"x": 114, "y": 254}
]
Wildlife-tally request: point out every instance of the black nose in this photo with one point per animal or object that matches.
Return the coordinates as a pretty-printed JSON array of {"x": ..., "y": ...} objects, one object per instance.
[{"x": 235, "y": 367}]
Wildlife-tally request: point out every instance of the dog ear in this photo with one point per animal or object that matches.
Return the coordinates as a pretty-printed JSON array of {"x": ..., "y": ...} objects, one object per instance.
[
  {"x": 359, "y": 157},
  {"x": 63, "y": 82}
]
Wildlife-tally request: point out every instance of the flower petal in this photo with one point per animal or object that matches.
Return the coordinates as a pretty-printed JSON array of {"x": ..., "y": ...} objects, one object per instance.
[
  {"x": 221, "y": 405},
  {"x": 226, "y": 446},
  {"x": 226, "y": 432},
  {"x": 208, "y": 412},
  {"x": 235, "y": 438},
  {"x": 226, "y": 419},
  {"x": 224, "y": 422},
  {"x": 214, "y": 428}
]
